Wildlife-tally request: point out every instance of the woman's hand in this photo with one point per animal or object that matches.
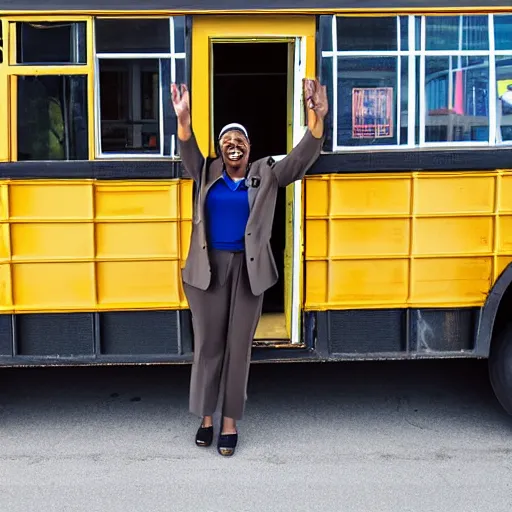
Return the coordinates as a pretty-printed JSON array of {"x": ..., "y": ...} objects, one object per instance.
[
  {"x": 317, "y": 103},
  {"x": 181, "y": 103}
]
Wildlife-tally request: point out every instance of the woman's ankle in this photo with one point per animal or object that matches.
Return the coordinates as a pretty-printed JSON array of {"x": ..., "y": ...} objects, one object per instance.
[
  {"x": 229, "y": 426},
  {"x": 207, "y": 421}
]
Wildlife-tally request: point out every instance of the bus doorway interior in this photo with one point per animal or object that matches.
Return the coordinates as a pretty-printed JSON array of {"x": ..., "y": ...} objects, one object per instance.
[{"x": 251, "y": 87}]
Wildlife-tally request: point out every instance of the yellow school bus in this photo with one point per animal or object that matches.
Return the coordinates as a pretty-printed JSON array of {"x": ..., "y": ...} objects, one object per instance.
[{"x": 398, "y": 243}]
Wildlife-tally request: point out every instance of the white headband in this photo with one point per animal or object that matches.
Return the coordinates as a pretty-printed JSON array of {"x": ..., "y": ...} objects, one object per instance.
[{"x": 233, "y": 126}]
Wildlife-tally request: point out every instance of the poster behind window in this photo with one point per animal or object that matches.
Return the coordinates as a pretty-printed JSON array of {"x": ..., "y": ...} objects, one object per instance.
[{"x": 372, "y": 112}]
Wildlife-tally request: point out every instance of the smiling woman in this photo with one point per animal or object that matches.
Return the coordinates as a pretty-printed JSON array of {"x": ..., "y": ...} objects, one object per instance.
[
  {"x": 230, "y": 263},
  {"x": 234, "y": 145},
  {"x": 227, "y": 207}
]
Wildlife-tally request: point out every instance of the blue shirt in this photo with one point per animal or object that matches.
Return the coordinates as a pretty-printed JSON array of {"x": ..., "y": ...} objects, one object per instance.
[{"x": 227, "y": 213}]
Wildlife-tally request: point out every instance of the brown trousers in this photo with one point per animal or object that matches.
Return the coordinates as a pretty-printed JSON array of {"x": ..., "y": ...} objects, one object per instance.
[{"x": 224, "y": 318}]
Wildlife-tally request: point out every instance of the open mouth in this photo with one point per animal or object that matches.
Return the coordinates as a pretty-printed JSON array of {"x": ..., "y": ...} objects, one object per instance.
[{"x": 235, "y": 154}]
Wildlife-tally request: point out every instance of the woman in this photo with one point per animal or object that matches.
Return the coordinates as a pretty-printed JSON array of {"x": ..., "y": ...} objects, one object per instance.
[{"x": 230, "y": 262}]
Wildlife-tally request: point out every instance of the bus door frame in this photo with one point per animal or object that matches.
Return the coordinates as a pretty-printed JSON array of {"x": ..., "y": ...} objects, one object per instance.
[{"x": 301, "y": 30}]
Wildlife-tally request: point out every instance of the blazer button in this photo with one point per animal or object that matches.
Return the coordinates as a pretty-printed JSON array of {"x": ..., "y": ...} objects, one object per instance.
[
  {"x": 252, "y": 259},
  {"x": 248, "y": 234}
]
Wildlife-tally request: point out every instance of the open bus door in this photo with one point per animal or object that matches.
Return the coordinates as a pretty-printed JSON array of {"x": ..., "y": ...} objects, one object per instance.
[{"x": 250, "y": 70}]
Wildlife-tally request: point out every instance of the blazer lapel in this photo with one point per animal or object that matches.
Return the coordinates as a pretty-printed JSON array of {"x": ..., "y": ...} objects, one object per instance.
[
  {"x": 211, "y": 174},
  {"x": 214, "y": 174}
]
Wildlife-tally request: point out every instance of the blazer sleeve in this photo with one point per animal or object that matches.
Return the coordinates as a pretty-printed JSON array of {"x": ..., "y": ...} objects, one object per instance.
[
  {"x": 294, "y": 166},
  {"x": 191, "y": 157}
]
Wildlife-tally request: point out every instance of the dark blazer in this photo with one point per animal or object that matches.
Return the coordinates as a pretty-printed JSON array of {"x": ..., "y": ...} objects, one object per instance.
[{"x": 263, "y": 180}]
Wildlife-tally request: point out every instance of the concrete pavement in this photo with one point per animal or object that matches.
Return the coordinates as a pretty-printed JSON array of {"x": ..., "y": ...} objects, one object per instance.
[{"x": 352, "y": 437}]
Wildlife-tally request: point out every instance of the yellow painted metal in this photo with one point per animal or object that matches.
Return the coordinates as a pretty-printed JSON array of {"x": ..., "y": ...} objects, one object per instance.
[
  {"x": 48, "y": 16},
  {"x": 75, "y": 245},
  {"x": 413, "y": 239},
  {"x": 208, "y": 29},
  {"x": 4, "y": 92},
  {"x": 372, "y": 241},
  {"x": 47, "y": 70},
  {"x": 12, "y": 42},
  {"x": 221, "y": 29}
]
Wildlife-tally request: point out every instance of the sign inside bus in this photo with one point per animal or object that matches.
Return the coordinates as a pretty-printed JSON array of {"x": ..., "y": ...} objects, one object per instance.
[
  {"x": 235, "y": 5},
  {"x": 372, "y": 112}
]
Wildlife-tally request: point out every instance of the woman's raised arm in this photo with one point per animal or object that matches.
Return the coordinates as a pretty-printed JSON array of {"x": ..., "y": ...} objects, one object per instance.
[
  {"x": 295, "y": 165},
  {"x": 189, "y": 151}
]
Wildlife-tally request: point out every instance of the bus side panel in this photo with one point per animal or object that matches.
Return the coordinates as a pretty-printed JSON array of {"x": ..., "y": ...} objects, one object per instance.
[
  {"x": 6, "y": 336},
  {"x": 401, "y": 333},
  {"x": 409, "y": 239},
  {"x": 95, "y": 338},
  {"x": 90, "y": 269},
  {"x": 141, "y": 337}
]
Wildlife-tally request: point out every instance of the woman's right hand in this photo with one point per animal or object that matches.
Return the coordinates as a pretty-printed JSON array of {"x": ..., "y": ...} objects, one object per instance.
[{"x": 181, "y": 103}]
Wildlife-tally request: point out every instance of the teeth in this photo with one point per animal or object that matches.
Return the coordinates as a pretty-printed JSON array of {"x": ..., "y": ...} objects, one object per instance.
[{"x": 235, "y": 155}]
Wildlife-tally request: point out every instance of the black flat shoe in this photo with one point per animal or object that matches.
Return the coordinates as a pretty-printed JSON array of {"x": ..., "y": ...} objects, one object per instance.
[
  {"x": 204, "y": 436},
  {"x": 226, "y": 444}
]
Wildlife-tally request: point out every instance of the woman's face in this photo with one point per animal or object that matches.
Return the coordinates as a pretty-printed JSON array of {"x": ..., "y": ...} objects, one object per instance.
[{"x": 235, "y": 149}]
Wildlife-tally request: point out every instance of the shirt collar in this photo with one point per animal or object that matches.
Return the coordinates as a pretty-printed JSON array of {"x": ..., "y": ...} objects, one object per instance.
[{"x": 233, "y": 185}]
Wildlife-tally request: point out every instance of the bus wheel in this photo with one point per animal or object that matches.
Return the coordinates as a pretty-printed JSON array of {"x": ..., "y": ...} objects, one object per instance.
[{"x": 500, "y": 366}]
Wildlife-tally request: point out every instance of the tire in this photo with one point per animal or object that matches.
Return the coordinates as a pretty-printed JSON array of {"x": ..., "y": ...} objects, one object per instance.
[{"x": 500, "y": 367}]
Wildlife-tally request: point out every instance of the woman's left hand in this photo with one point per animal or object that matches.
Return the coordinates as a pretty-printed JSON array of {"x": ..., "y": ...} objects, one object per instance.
[{"x": 317, "y": 103}]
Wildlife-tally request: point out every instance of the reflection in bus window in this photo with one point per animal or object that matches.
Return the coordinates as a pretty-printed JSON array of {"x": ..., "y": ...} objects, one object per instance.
[
  {"x": 457, "y": 33},
  {"x": 169, "y": 117},
  {"x": 130, "y": 105},
  {"x": 503, "y": 31},
  {"x": 132, "y": 36},
  {"x": 368, "y": 89},
  {"x": 52, "y": 117},
  {"x": 376, "y": 73},
  {"x": 504, "y": 95},
  {"x": 137, "y": 61},
  {"x": 457, "y": 99},
  {"x": 51, "y": 43},
  {"x": 367, "y": 34},
  {"x": 178, "y": 24}
]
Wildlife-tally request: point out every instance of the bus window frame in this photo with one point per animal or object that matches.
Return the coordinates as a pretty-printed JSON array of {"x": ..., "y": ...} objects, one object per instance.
[
  {"x": 172, "y": 56},
  {"x": 14, "y": 70},
  {"x": 415, "y": 85},
  {"x": 4, "y": 94}
]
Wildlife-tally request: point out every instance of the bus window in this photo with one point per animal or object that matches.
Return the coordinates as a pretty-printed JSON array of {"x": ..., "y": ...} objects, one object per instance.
[
  {"x": 133, "y": 36},
  {"x": 129, "y": 107},
  {"x": 503, "y": 42},
  {"x": 51, "y": 43},
  {"x": 52, "y": 117},
  {"x": 421, "y": 81},
  {"x": 134, "y": 76}
]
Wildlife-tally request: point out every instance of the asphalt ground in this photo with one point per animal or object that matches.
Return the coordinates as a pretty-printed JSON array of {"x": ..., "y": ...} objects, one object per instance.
[{"x": 363, "y": 437}]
